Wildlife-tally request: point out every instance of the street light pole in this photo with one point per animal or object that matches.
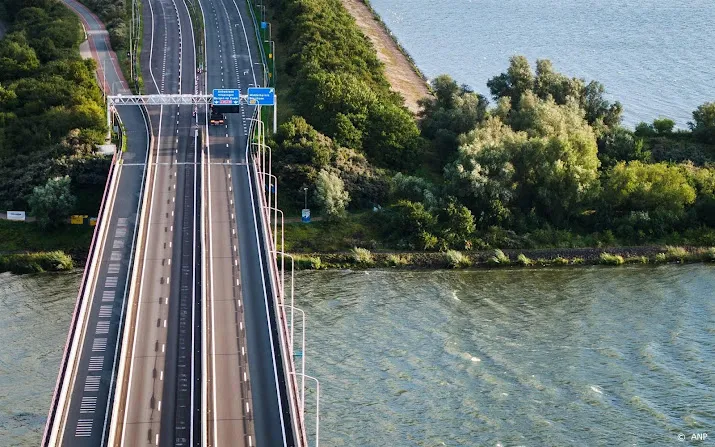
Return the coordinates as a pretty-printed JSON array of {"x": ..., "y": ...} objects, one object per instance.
[{"x": 305, "y": 189}]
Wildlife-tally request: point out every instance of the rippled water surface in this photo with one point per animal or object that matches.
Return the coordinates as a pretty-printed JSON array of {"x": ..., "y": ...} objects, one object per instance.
[
  {"x": 656, "y": 56},
  {"x": 542, "y": 357},
  {"x": 34, "y": 317},
  {"x": 549, "y": 357}
]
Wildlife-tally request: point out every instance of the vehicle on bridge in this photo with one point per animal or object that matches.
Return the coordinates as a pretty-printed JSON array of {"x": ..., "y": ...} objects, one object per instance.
[{"x": 217, "y": 118}]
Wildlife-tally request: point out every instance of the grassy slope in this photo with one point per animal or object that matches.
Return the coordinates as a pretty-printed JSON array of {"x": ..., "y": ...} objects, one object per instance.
[{"x": 21, "y": 236}]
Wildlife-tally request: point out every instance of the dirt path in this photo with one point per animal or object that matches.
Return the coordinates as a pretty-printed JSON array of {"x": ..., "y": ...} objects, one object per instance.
[{"x": 398, "y": 69}]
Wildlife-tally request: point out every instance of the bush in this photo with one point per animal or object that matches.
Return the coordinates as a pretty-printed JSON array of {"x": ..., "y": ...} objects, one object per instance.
[
  {"x": 703, "y": 124},
  {"x": 609, "y": 259},
  {"x": 53, "y": 261},
  {"x": 308, "y": 262},
  {"x": 637, "y": 260},
  {"x": 678, "y": 254},
  {"x": 663, "y": 126},
  {"x": 523, "y": 260},
  {"x": 456, "y": 259},
  {"x": 708, "y": 255},
  {"x": 578, "y": 261},
  {"x": 499, "y": 258},
  {"x": 560, "y": 261},
  {"x": 362, "y": 257},
  {"x": 661, "y": 257},
  {"x": 397, "y": 260},
  {"x": 331, "y": 194}
]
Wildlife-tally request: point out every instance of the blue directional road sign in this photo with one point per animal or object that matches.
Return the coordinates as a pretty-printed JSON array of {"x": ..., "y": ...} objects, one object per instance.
[
  {"x": 226, "y": 96},
  {"x": 261, "y": 96}
]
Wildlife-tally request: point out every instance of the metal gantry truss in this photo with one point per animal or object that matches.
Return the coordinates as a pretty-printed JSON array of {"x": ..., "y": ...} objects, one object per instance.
[{"x": 160, "y": 100}]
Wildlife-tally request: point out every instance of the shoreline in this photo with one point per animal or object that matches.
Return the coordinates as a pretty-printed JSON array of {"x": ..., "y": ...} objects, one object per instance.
[
  {"x": 527, "y": 258},
  {"x": 402, "y": 72}
]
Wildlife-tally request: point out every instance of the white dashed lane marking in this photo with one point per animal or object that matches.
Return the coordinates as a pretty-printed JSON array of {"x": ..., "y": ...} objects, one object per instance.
[
  {"x": 88, "y": 404},
  {"x": 99, "y": 345},
  {"x": 105, "y": 311},
  {"x": 110, "y": 282},
  {"x": 91, "y": 385},
  {"x": 102, "y": 327},
  {"x": 84, "y": 428},
  {"x": 95, "y": 363}
]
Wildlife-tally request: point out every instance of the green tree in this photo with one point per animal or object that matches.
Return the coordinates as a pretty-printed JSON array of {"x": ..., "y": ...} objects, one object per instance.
[
  {"x": 392, "y": 138},
  {"x": 52, "y": 203},
  {"x": 703, "y": 124},
  {"x": 644, "y": 129},
  {"x": 17, "y": 58},
  {"x": 299, "y": 142},
  {"x": 409, "y": 224},
  {"x": 453, "y": 111},
  {"x": 414, "y": 189},
  {"x": 620, "y": 144},
  {"x": 366, "y": 184},
  {"x": 457, "y": 224},
  {"x": 331, "y": 194},
  {"x": 515, "y": 82},
  {"x": 599, "y": 111},
  {"x": 659, "y": 191},
  {"x": 482, "y": 176},
  {"x": 663, "y": 126},
  {"x": 550, "y": 83}
]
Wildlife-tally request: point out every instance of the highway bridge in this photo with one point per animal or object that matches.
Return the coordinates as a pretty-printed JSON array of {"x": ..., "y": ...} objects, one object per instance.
[{"x": 183, "y": 332}]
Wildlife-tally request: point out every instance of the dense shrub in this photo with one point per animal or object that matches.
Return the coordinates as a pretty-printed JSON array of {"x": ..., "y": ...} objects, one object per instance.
[
  {"x": 609, "y": 259},
  {"x": 523, "y": 260},
  {"x": 362, "y": 257},
  {"x": 499, "y": 258},
  {"x": 340, "y": 85},
  {"x": 51, "y": 109},
  {"x": 455, "y": 259},
  {"x": 52, "y": 261}
]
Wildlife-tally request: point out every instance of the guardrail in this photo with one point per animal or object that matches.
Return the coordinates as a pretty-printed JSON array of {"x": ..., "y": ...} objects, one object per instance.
[
  {"x": 91, "y": 259},
  {"x": 278, "y": 304}
]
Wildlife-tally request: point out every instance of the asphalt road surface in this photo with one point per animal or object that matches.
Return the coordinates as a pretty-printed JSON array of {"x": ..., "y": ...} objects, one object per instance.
[
  {"x": 90, "y": 392},
  {"x": 161, "y": 398},
  {"x": 241, "y": 308}
]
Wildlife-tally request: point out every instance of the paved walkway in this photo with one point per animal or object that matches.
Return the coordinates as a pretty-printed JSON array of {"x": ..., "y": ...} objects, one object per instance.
[{"x": 109, "y": 74}]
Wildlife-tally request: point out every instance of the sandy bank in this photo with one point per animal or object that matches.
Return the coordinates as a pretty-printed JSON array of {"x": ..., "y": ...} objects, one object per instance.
[{"x": 398, "y": 69}]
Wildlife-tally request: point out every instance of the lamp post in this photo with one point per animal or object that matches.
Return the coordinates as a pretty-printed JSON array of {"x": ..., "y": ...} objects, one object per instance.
[
  {"x": 305, "y": 189},
  {"x": 317, "y": 405}
]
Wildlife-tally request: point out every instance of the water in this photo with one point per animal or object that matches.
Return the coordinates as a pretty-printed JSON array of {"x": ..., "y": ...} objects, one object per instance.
[
  {"x": 655, "y": 56},
  {"x": 35, "y": 312},
  {"x": 560, "y": 357},
  {"x": 573, "y": 356}
]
